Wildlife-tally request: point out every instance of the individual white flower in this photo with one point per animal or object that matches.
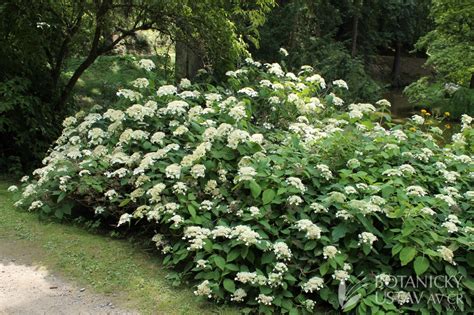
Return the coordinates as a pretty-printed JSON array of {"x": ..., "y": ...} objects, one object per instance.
[
  {"x": 238, "y": 295},
  {"x": 184, "y": 83},
  {"x": 367, "y": 238},
  {"x": 99, "y": 210},
  {"x": 297, "y": 183},
  {"x": 157, "y": 137},
  {"x": 146, "y": 64},
  {"x": 282, "y": 251},
  {"x": 407, "y": 169},
  {"x": 448, "y": 199},
  {"x": 173, "y": 171},
  {"x": 350, "y": 190},
  {"x": 325, "y": 171},
  {"x": 416, "y": 191},
  {"x": 402, "y": 297},
  {"x": 294, "y": 200},
  {"x": 12, "y": 188},
  {"x": 318, "y": 208},
  {"x": 340, "y": 83},
  {"x": 124, "y": 218},
  {"x": 238, "y": 112},
  {"x": 341, "y": 275},
  {"x": 447, "y": 254},
  {"x": 383, "y": 103},
  {"x": 245, "y": 277},
  {"x": 330, "y": 252},
  {"x": 111, "y": 194},
  {"x": 383, "y": 279},
  {"x": 275, "y": 69},
  {"x": 466, "y": 121},
  {"x": 166, "y": 90},
  {"x": 176, "y": 219},
  {"x": 313, "y": 284},
  {"x": 248, "y": 91},
  {"x": 181, "y": 130},
  {"x": 284, "y": 52},
  {"x": 264, "y": 299},
  {"x": 318, "y": 79},
  {"x": 176, "y": 108},
  {"x": 428, "y": 211},
  {"x": 245, "y": 234},
  {"x": 246, "y": 173},
  {"x": 236, "y": 137},
  {"x": 450, "y": 226},
  {"x": 140, "y": 83},
  {"x": 353, "y": 163},
  {"x": 417, "y": 119},
  {"x": 36, "y": 205},
  {"x": 130, "y": 94},
  {"x": 204, "y": 289},
  {"x": 311, "y": 229},
  {"x": 202, "y": 263},
  {"x": 221, "y": 231},
  {"x": 254, "y": 211},
  {"x": 256, "y": 138}
]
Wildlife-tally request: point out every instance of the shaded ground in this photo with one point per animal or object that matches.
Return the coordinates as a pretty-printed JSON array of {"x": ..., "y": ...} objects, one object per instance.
[{"x": 31, "y": 289}]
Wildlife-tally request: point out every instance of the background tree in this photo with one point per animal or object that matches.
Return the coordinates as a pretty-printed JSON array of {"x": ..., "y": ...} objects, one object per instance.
[
  {"x": 450, "y": 50},
  {"x": 37, "y": 37}
]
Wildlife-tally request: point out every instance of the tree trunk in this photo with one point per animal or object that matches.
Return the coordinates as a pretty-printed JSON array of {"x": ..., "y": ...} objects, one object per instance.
[
  {"x": 396, "y": 67},
  {"x": 471, "y": 84},
  {"x": 187, "y": 62},
  {"x": 73, "y": 80},
  {"x": 355, "y": 33}
]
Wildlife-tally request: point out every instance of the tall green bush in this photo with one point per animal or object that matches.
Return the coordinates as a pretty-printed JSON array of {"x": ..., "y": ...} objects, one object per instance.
[{"x": 272, "y": 193}]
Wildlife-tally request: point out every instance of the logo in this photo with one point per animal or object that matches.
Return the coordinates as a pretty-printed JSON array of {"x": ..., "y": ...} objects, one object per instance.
[{"x": 347, "y": 294}]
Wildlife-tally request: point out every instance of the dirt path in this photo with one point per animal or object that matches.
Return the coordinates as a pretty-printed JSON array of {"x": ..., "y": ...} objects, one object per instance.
[{"x": 26, "y": 288}]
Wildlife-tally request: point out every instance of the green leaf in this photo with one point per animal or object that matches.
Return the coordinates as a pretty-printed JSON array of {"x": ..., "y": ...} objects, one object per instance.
[
  {"x": 339, "y": 231},
  {"x": 220, "y": 262},
  {"x": 268, "y": 196},
  {"x": 124, "y": 202},
  {"x": 255, "y": 189},
  {"x": 421, "y": 264},
  {"x": 192, "y": 210},
  {"x": 267, "y": 258},
  {"x": 229, "y": 285},
  {"x": 234, "y": 253},
  {"x": 407, "y": 254},
  {"x": 310, "y": 245},
  {"x": 323, "y": 269}
]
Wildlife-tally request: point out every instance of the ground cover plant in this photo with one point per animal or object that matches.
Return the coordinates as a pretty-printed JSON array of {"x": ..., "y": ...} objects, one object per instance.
[{"x": 272, "y": 193}]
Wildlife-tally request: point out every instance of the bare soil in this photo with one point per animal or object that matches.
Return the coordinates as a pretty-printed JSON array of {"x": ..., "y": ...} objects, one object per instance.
[{"x": 29, "y": 288}]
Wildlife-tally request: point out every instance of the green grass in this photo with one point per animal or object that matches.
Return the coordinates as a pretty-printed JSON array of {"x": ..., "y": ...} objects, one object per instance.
[
  {"x": 100, "y": 82},
  {"x": 131, "y": 277}
]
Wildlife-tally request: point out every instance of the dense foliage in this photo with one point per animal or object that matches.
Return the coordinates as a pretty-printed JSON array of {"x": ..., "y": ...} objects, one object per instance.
[
  {"x": 38, "y": 38},
  {"x": 271, "y": 192},
  {"x": 449, "y": 47}
]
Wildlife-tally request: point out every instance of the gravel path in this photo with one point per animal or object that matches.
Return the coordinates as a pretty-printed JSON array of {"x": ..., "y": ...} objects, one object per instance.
[{"x": 29, "y": 289}]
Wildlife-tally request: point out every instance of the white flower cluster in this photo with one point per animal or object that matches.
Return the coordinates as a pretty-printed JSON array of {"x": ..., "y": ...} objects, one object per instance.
[
  {"x": 330, "y": 252},
  {"x": 282, "y": 251},
  {"x": 367, "y": 238},
  {"x": 204, "y": 289},
  {"x": 311, "y": 229},
  {"x": 297, "y": 183},
  {"x": 313, "y": 284},
  {"x": 451, "y": 223}
]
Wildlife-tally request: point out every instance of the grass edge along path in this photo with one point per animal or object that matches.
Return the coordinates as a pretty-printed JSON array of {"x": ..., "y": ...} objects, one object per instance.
[{"x": 128, "y": 275}]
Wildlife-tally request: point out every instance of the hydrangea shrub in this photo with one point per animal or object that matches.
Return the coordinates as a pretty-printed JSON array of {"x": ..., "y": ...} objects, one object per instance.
[{"x": 270, "y": 192}]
